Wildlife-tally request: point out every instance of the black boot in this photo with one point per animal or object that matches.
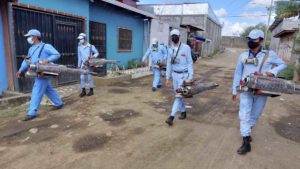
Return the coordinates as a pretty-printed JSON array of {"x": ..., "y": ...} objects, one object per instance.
[
  {"x": 91, "y": 92},
  {"x": 83, "y": 93},
  {"x": 182, "y": 116},
  {"x": 153, "y": 89},
  {"x": 246, "y": 147},
  {"x": 28, "y": 117},
  {"x": 57, "y": 107},
  {"x": 169, "y": 121}
]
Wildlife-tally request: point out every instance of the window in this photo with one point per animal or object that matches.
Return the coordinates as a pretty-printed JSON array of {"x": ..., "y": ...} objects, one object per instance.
[{"x": 125, "y": 39}]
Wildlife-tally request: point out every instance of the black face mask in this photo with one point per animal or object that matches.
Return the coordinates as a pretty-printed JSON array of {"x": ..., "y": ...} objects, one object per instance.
[
  {"x": 175, "y": 39},
  {"x": 155, "y": 45},
  {"x": 252, "y": 44}
]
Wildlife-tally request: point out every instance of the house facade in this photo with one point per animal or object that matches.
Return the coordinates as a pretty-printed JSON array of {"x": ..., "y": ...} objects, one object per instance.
[
  {"x": 193, "y": 20},
  {"x": 116, "y": 29},
  {"x": 284, "y": 31},
  {"x": 3, "y": 67}
]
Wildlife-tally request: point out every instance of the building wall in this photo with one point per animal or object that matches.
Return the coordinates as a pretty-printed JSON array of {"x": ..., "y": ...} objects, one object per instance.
[
  {"x": 160, "y": 31},
  {"x": 213, "y": 33},
  {"x": 234, "y": 42},
  {"x": 274, "y": 44},
  {"x": 75, "y": 7},
  {"x": 3, "y": 72},
  {"x": 285, "y": 48},
  {"x": 114, "y": 19}
]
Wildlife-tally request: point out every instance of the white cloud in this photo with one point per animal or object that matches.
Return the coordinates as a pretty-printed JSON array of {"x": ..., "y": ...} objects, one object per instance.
[
  {"x": 259, "y": 17},
  {"x": 259, "y": 3},
  {"x": 256, "y": 16},
  {"x": 220, "y": 12},
  {"x": 233, "y": 29}
]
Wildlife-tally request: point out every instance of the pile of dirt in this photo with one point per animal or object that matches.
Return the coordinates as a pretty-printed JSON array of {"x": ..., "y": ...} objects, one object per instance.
[
  {"x": 119, "y": 116},
  {"x": 90, "y": 142},
  {"x": 289, "y": 127}
]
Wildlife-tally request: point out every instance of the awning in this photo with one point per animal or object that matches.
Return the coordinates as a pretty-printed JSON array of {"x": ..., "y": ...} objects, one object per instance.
[
  {"x": 129, "y": 8},
  {"x": 197, "y": 28},
  {"x": 198, "y": 38}
]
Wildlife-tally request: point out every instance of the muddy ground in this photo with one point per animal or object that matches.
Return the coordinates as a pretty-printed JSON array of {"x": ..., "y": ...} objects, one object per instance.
[{"x": 122, "y": 127}]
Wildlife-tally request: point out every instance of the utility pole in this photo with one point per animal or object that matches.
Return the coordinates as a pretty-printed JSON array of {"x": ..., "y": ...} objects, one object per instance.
[{"x": 267, "y": 27}]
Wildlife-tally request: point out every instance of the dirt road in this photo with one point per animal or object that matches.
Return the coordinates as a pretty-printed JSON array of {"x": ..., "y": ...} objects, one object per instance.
[{"x": 122, "y": 127}]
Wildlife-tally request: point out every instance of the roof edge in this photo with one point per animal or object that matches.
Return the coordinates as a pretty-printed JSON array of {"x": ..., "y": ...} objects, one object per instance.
[{"x": 130, "y": 8}]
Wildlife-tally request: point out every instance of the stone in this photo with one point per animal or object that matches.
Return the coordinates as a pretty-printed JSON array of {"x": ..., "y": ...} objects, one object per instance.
[
  {"x": 90, "y": 124},
  {"x": 3, "y": 148},
  {"x": 108, "y": 134},
  {"x": 34, "y": 130},
  {"x": 54, "y": 126},
  {"x": 24, "y": 140}
]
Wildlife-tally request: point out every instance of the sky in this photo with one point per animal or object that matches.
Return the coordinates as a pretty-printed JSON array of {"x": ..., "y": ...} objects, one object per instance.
[{"x": 235, "y": 15}]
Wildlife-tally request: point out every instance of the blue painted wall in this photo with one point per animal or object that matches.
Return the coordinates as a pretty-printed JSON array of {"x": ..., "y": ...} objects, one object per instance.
[
  {"x": 75, "y": 7},
  {"x": 3, "y": 72},
  {"x": 115, "y": 19}
]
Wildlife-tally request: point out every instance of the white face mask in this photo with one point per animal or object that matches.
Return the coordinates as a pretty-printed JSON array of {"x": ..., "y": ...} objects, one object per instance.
[
  {"x": 81, "y": 41},
  {"x": 30, "y": 41}
]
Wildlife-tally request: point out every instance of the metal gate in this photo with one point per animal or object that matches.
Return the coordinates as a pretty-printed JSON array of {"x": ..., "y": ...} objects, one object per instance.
[
  {"x": 58, "y": 30},
  {"x": 98, "y": 39}
]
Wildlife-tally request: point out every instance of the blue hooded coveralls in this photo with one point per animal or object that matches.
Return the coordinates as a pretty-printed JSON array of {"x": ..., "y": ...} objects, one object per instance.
[
  {"x": 156, "y": 55},
  {"x": 83, "y": 55},
  {"x": 41, "y": 85},
  {"x": 251, "y": 105},
  {"x": 182, "y": 70}
]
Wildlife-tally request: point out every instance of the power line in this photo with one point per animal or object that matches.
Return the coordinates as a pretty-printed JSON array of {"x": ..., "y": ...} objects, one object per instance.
[{"x": 230, "y": 16}]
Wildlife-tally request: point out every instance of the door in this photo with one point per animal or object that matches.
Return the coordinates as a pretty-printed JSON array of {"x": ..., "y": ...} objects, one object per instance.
[
  {"x": 58, "y": 30},
  {"x": 98, "y": 39}
]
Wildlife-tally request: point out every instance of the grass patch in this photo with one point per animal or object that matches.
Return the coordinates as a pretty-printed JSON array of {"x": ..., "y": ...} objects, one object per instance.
[{"x": 10, "y": 113}]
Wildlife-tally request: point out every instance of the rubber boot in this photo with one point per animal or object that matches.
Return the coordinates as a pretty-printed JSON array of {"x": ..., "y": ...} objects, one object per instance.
[
  {"x": 182, "y": 116},
  {"x": 83, "y": 93},
  {"x": 169, "y": 121},
  {"x": 246, "y": 147},
  {"x": 91, "y": 92}
]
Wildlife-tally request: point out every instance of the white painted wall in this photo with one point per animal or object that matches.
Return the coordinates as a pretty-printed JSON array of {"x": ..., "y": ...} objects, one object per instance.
[{"x": 160, "y": 31}]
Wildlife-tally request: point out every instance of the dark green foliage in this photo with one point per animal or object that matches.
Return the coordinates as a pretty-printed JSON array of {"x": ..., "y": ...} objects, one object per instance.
[{"x": 288, "y": 73}]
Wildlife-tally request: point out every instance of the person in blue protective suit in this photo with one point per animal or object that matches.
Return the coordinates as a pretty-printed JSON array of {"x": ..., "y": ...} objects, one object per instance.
[
  {"x": 156, "y": 55},
  {"x": 251, "y": 105},
  {"x": 180, "y": 65},
  {"x": 40, "y": 53},
  {"x": 164, "y": 51},
  {"x": 86, "y": 51}
]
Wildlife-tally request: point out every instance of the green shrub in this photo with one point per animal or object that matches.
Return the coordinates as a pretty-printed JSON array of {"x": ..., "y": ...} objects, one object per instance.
[
  {"x": 134, "y": 63},
  {"x": 288, "y": 73}
]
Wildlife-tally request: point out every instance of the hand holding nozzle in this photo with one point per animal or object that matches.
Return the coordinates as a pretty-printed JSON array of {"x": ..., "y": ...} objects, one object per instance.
[{"x": 19, "y": 75}]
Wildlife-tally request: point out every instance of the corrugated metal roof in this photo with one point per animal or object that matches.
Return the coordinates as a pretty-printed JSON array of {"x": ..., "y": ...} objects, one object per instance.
[
  {"x": 130, "y": 8},
  {"x": 275, "y": 23},
  {"x": 196, "y": 27}
]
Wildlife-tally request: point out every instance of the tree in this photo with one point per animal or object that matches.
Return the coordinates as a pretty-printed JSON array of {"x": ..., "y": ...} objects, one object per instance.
[
  {"x": 286, "y": 9},
  {"x": 260, "y": 26}
]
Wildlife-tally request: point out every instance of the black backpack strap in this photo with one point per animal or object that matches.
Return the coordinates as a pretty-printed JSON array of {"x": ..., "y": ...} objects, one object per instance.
[
  {"x": 263, "y": 61},
  {"x": 177, "y": 51},
  {"x": 41, "y": 50}
]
